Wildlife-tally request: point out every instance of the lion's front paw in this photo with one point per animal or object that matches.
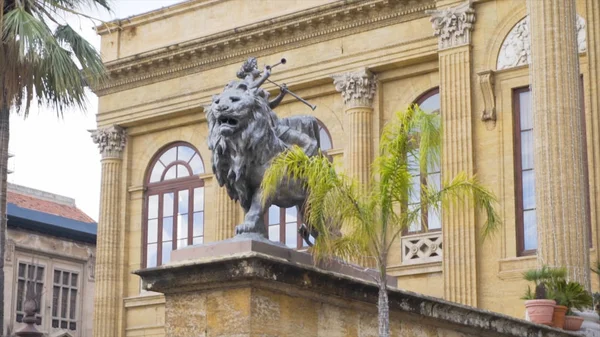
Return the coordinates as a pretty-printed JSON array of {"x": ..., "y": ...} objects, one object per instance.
[{"x": 246, "y": 227}]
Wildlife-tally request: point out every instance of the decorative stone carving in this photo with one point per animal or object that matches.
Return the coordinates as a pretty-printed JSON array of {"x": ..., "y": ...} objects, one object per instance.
[
  {"x": 245, "y": 135},
  {"x": 92, "y": 267},
  {"x": 323, "y": 23},
  {"x": 581, "y": 34},
  {"x": 111, "y": 141},
  {"x": 357, "y": 88},
  {"x": 486, "y": 82},
  {"x": 453, "y": 25},
  {"x": 516, "y": 48},
  {"x": 10, "y": 250},
  {"x": 422, "y": 248}
]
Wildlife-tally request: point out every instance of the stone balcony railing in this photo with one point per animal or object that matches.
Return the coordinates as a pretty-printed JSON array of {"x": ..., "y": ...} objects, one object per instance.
[{"x": 422, "y": 248}]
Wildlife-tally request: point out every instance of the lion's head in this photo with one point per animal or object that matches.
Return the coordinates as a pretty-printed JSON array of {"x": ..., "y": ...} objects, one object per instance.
[
  {"x": 241, "y": 125},
  {"x": 236, "y": 107}
]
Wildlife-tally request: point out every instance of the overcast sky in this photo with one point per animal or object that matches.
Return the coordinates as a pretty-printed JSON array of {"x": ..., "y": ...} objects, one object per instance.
[{"x": 57, "y": 155}]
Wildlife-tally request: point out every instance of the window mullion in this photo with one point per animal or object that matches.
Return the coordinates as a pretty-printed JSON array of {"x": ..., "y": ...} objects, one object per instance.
[
  {"x": 175, "y": 216},
  {"x": 190, "y": 215},
  {"x": 160, "y": 229},
  {"x": 282, "y": 224}
]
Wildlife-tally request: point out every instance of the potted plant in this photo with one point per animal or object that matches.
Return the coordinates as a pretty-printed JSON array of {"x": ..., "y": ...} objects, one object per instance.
[
  {"x": 574, "y": 296},
  {"x": 539, "y": 304}
]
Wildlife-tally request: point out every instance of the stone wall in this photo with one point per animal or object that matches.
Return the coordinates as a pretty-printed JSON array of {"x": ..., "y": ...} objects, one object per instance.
[{"x": 252, "y": 287}]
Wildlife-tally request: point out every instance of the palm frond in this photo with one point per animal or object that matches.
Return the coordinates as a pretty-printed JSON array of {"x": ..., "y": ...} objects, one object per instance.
[
  {"x": 92, "y": 66},
  {"x": 40, "y": 64},
  {"x": 463, "y": 189}
]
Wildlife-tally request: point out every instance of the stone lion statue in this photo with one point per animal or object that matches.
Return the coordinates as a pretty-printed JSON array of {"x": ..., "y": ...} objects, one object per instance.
[{"x": 245, "y": 134}]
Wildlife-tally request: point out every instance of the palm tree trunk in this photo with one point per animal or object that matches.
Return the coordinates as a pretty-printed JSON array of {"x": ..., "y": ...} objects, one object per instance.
[
  {"x": 383, "y": 308},
  {"x": 4, "y": 137}
]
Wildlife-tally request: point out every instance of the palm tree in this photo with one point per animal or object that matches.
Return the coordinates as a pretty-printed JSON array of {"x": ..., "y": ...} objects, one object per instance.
[
  {"x": 355, "y": 222},
  {"x": 42, "y": 60}
]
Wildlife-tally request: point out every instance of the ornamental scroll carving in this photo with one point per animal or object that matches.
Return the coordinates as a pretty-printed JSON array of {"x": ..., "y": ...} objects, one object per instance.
[
  {"x": 486, "y": 83},
  {"x": 516, "y": 48},
  {"x": 357, "y": 88},
  {"x": 111, "y": 141},
  {"x": 453, "y": 25}
]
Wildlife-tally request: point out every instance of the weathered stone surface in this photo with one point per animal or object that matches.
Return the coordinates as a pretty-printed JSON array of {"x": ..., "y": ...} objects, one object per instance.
[{"x": 249, "y": 287}]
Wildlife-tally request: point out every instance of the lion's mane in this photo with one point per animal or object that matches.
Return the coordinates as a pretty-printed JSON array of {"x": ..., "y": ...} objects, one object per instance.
[{"x": 233, "y": 155}]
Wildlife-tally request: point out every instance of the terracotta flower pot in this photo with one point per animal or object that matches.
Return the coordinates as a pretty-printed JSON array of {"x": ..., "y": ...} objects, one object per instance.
[
  {"x": 573, "y": 323},
  {"x": 558, "y": 318},
  {"x": 540, "y": 311}
]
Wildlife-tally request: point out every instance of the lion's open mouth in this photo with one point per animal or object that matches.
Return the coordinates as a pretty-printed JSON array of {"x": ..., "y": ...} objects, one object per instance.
[{"x": 227, "y": 121}]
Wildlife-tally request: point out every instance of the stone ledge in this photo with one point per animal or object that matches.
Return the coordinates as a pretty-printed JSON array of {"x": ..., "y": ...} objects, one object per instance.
[{"x": 259, "y": 264}]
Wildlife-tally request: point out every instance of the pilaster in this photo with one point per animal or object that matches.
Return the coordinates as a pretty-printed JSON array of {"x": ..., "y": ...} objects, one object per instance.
[
  {"x": 226, "y": 215},
  {"x": 561, "y": 208},
  {"x": 592, "y": 13},
  {"x": 111, "y": 142},
  {"x": 453, "y": 27},
  {"x": 358, "y": 90}
]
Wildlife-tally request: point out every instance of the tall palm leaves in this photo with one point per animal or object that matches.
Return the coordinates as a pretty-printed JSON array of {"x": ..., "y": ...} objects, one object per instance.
[
  {"x": 42, "y": 60},
  {"x": 355, "y": 221}
]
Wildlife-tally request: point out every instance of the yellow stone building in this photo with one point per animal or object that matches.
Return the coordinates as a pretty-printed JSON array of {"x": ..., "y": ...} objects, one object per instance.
[{"x": 358, "y": 61}]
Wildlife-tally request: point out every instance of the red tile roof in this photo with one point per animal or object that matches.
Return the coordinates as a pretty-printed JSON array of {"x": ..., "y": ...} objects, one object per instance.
[{"x": 47, "y": 206}]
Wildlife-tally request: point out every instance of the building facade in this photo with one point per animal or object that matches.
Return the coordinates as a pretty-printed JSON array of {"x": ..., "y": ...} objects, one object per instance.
[
  {"x": 474, "y": 62},
  {"x": 50, "y": 255}
]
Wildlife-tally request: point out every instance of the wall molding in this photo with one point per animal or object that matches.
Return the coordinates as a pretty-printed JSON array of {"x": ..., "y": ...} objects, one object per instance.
[{"x": 342, "y": 18}]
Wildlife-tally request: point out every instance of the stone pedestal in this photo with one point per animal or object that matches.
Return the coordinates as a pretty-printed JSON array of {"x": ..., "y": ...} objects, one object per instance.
[
  {"x": 247, "y": 286},
  {"x": 561, "y": 207}
]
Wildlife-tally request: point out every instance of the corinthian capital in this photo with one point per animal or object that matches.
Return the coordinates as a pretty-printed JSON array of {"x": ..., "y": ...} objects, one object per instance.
[
  {"x": 453, "y": 25},
  {"x": 357, "y": 88},
  {"x": 110, "y": 140}
]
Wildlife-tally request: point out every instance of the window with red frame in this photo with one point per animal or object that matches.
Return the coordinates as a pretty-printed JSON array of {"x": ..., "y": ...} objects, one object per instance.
[
  {"x": 174, "y": 203},
  {"x": 525, "y": 207}
]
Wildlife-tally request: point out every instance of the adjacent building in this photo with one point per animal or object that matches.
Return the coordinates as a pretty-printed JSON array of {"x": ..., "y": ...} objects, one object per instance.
[
  {"x": 518, "y": 103},
  {"x": 50, "y": 254}
]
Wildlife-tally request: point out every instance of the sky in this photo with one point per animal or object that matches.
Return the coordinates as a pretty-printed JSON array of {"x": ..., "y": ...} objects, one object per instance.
[{"x": 57, "y": 155}]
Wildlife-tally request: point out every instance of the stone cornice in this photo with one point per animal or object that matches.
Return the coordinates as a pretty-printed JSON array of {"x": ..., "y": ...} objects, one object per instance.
[{"x": 342, "y": 18}]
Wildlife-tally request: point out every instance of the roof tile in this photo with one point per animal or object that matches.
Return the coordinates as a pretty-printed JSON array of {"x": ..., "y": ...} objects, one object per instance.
[{"x": 46, "y": 206}]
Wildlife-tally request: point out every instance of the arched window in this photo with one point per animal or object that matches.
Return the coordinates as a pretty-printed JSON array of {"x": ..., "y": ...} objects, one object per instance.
[
  {"x": 324, "y": 137},
  {"x": 174, "y": 203},
  {"x": 428, "y": 102},
  {"x": 283, "y": 223}
]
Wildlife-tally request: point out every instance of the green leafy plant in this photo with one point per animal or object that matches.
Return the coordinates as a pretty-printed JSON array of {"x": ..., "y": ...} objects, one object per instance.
[
  {"x": 544, "y": 278},
  {"x": 570, "y": 294},
  {"x": 362, "y": 222}
]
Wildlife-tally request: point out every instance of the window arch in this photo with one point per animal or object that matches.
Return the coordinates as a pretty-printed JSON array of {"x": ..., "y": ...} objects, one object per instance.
[
  {"x": 174, "y": 203},
  {"x": 283, "y": 223},
  {"x": 428, "y": 102},
  {"x": 324, "y": 137}
]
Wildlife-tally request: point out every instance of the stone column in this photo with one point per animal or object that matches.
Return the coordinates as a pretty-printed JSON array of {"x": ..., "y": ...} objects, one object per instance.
[
  {"x": 227, "y": 215},
  {"x": 111, "y": 142},
  {"x": 453, "y": 27},
  {"x": 358, "y": 89},
  {"x": 561, "y": 207},
  {"x": 592, "y": 82}
]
